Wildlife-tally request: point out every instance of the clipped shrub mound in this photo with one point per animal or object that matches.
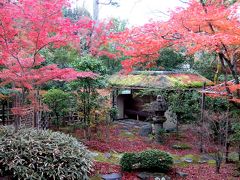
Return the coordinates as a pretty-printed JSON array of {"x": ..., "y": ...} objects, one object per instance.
[
  {"x": 181, "y": 146},
  {"x": 129, "y": 161},
  {"x": 149, "y": 160},
  {"x": 42, "y": 154}
]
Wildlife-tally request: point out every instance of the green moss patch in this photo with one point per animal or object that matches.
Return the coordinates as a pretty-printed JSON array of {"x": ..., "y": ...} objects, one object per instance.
[
  {"x": 168, "y": 80},
  {"x": 211, "y": 162},
  {"x": 114, "y": 158},
  {"x": 128, "y": 135},
  {"x": 181, "y": 146}
]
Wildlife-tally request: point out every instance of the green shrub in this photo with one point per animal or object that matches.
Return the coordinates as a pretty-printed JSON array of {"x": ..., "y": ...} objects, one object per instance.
[
  {"x": 155, "y": 160},
  {"x": 128, "y": 161},
  {"x": 4, "y": 130},
  {"x": 43, "y": 154},
  {"x": 181, "y": 146},
  {"x": 149, "y": 160}
]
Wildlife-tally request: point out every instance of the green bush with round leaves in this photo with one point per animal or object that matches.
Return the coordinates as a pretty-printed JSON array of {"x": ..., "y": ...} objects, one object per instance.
[
  {"x": 42, "y": 154},
  {"x": 149, "y": 160}
]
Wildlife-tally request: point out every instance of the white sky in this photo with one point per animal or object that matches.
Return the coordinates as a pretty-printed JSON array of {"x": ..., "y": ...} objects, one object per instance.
[{"x": 137, "y": 12}]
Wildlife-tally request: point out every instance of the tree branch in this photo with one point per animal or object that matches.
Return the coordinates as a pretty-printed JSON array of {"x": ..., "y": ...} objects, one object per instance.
[{"x": 110, "y": 2}]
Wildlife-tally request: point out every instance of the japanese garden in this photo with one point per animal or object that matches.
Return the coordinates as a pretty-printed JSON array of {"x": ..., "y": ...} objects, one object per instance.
[{"x": 88, "y": 97}]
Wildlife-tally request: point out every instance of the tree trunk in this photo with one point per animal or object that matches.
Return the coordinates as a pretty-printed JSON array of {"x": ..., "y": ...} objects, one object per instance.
[
  {"x": 57, "y": 116},
  {"x": 95, "y": 10},
  {"x": 3, "y": 112},
  {"x": 218, "y": 165},
  {"x": 227, "y": 152},
  {"x": 202, "y": 117},
  {"x": 177, "y": 127},
  {"x": 227, "y": 144},
  {"x": 218, "y": 160},
  {"x": 239, "y": 152},
  {"x": 108, "y": 128}
]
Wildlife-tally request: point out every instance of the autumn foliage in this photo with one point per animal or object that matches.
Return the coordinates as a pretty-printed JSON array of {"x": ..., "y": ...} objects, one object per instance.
[
  {"x": 27, "y": 27},
  {"x": 210, "y": 26}
]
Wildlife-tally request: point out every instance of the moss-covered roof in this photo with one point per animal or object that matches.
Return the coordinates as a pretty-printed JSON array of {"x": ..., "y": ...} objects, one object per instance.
[{"x": 158, "y": 79}]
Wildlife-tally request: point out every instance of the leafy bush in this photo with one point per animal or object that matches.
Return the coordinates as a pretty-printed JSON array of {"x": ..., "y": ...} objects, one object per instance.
[
  {"x": 128, "y": 161},
  {"x": 149, "y": 160},
  {"x": 5, "y": 130},
  {"x": 181, "y": 146},
  {"x": 113, "y": 112},
  {"x": 58, "y": 101},
  {"x": 42, "y": 154},
  {"x": 155, "y": 160}
]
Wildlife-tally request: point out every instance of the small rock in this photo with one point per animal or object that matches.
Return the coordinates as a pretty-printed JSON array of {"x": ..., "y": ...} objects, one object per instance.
[
  {"x": 155, "y": 176},
  {"x": 136, "y": 127},
  {"x": 182, "y": 174},
  {"x": 177, "y": 161},
  {"x": 188, "y": 160},
  {"x": 145, "y": 130},
  {"x": 202, "y": 161},
  {"x": 113, "y": 176},
  {"x": 128, "y": 133},
  {"x": 143, "y": 176},
  {"x": 206, "y": 157},
  {"x": 169, "y": 130},
  {"x": 107, "y": 155}
]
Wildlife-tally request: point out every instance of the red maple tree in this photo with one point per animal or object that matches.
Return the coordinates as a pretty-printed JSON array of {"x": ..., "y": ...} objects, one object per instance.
[
  {"x": 26, "y": 28},
  {"x": 211, "y": 26}
]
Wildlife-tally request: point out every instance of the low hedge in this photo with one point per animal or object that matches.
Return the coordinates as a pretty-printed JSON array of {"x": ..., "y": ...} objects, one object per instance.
[
  {"x": 149, "y": 160},
  {"x": 42, "y": 154}
]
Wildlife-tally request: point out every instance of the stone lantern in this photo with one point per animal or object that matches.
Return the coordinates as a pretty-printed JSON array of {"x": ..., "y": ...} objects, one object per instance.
[{"x": 157, "y": 109}]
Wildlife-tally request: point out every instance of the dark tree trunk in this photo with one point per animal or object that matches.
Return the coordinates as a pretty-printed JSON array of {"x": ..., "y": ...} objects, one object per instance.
[
  {"x": 218, "y": 165},
  {"x": 3, "y": 112},
  {"x": 227, "y": 152},
  {"x": 239, "y": 152},
  {"x": 218, "y": 159},
  {"x": 202, "y": 117}
]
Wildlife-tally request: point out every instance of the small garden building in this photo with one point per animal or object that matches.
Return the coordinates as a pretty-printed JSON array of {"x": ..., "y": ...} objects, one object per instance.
[{"x": 127, "y": 87}]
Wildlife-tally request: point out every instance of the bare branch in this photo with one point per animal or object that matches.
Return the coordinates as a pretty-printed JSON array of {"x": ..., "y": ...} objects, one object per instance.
[{"x": 110, "y": 2}]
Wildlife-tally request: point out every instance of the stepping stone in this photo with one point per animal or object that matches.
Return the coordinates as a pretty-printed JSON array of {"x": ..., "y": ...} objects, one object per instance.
[
  {"x": 145, "y": 130},
  {"x": 155, "y": 176},
  {"x": 107, "y": 155},
  {"x": 177, "y": 161},
  {"x": 113, "y": 176},
  {"x": 188, "y": 160},
  {"x": 128, "y": 133},
  {"x": 206, "y": 157},
  {"x": 201, "y": 161},
  {"x": 182, "y": 174}
]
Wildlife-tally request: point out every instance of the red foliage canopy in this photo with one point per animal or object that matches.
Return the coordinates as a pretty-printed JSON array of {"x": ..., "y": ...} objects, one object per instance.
[
  {"x": 28, "y": 26},
  {"x": 211, "y": 26}
]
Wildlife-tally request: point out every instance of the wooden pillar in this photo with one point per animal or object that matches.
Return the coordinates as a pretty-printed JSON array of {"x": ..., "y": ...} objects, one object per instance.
[
  {"x": 203, "y": 104},
  {"x": 114, "y": 98}
]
